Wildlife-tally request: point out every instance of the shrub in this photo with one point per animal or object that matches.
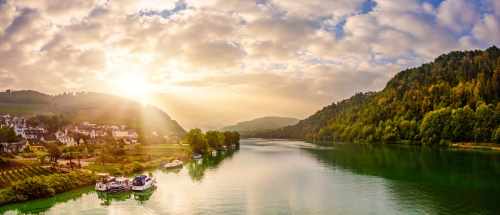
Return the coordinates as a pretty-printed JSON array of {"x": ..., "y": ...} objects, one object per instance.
[
  {"x": 45, "y": 186},
  {"x": 496, "y": 136}
]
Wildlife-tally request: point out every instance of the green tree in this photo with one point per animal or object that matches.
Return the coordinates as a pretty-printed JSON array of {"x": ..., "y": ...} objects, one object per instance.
[
  {"x": 91, "y": 148},
  {"x": 484, "y": 123},
  {"x": 436, "y": 127},
  {"x": 53, "y": 151},
  {"x": 462, "y": 124},
  {"x": 212, "y": 138},
  {"x": 197, "y": 141}
]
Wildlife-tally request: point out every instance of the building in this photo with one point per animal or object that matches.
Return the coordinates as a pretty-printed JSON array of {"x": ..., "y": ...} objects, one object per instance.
[
  {"x": 35, "y": 144},
  {"x": 67, "y": 141},
  {"x": 129, "y": 139}
]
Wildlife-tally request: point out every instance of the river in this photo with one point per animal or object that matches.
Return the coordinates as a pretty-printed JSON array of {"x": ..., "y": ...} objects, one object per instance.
[{"x": 296, "y": 177}]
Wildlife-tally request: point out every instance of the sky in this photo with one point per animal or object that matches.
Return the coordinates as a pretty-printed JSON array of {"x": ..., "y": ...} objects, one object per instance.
[{"x": 213, "y": 63}]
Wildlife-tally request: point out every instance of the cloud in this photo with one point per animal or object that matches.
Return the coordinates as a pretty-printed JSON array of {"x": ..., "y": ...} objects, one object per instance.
[
  {"x": 459, "y": 15},
  {"x": 273, "y": 56},
  {"x": 488, "y": 30}
]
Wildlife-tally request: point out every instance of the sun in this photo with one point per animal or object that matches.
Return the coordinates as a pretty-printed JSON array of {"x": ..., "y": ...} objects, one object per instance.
[{"x": 131, "y": 83}]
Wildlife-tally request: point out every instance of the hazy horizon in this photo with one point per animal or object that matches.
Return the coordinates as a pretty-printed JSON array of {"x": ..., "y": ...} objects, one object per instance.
[{"x": 211, "y": 64}]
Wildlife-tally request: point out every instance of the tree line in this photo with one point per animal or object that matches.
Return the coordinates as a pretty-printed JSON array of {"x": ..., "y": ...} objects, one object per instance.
[
  {"x": 203, "y": 143},
  {"x": 453, "y": 99}
]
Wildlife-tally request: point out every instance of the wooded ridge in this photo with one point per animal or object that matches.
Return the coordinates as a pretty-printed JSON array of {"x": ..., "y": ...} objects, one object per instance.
[{"x": 453, "y": 99}]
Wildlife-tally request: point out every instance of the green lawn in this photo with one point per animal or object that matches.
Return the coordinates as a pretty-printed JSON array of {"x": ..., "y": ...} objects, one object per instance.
[
  {"x": 102, "y": 168},
  {"x": 164, "y": 146}
]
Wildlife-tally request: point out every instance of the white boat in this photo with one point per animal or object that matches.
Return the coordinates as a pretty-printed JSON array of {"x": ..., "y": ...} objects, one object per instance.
[
  {"x": 121, "y": 184},
  {"x": 142, "y": 182},
  {"x": 104, "y": 182},
  {"x": 214, "y": 152},
  {"x": 173, "y": 164}
]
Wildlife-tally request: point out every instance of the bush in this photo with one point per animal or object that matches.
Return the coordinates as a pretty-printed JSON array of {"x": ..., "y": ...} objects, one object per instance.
[
  {"x": 138, "y": 146},
  {"x": 45, "y": 186},
  {"x": 133, "y": 167},
  {"x": 445, "y": 143},
  {"x": 119, "y": 151},
  {"x": 496, "y": 136}
]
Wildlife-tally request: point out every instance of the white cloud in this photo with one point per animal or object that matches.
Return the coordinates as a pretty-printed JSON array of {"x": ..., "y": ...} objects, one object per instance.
[
  {"x": 488, "y": 30},
  {"x": 458, "y": 15},
  {"x": 267, "y": 51}
]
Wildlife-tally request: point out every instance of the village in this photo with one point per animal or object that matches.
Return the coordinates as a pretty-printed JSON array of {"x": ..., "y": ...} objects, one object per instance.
[{"x": 35, "y": 138}]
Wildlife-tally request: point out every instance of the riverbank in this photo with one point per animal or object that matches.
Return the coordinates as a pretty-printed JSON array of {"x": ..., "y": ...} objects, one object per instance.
[
  {"x": 45, "y": 186},
  {"x": 48, "y": 185},
  {"x": 478, "y": 146},
  {"x": 448, "y": 144}
]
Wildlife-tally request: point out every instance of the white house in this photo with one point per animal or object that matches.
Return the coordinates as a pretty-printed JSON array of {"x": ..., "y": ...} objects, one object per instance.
[
  {"x": 67, "y": 141},
  {"x": 130, "y": 139},
  {"x": 59, "y": 134},
  {"x": 120, "y": 133}
]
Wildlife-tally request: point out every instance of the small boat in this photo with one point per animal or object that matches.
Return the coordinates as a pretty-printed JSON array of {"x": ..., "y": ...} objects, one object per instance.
[
  {"x": 121, "y": 184},
  {"x": 142, "y": 182},
  {"x": 173, "y": 164},
  {"x": 196, "y": 156},
  {"x": 214, "y": 152},
  {"x": 104, "y": 182},
  {"x": 233, "y": 146},
  {"x": 223, "y": 148}
]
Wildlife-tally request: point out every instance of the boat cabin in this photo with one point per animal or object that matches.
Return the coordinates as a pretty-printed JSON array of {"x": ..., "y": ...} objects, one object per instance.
[{"x": 141, "y": 180}]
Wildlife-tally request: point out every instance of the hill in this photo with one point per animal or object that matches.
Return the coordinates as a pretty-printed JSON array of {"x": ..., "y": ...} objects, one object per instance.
[
  {"x": 261, "y": 124},
  {"x": 453, "y": 99},
  {"x": 90, "y": 107}
]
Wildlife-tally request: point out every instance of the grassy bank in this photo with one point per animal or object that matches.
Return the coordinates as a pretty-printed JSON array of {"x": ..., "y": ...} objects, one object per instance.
[{"x": 45, "y": 186}]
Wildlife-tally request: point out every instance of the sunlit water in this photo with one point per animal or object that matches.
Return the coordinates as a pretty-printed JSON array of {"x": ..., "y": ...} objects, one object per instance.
[{"x": 294, "y": 177}]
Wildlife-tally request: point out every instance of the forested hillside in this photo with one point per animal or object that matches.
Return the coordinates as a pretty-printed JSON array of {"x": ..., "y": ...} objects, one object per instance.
[
  {"x": 453, "y": 99},
  {"x": 261, "y": 124},
  {"x": 90, "y": 107}
]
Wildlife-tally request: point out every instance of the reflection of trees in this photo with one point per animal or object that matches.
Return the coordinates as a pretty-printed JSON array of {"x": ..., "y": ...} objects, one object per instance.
[
  {"x": 107, "y": 197},
  {"x": 424, "y": 179},
  {"x": 197, "y": 167},
  {"x": 144, "y": 196},
  {"x": 416, "y": 164},
  {"x": 43, "y": 205}
]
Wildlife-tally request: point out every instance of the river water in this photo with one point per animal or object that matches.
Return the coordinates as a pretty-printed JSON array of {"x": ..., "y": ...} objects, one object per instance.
[{"x": 295, "y": 177}]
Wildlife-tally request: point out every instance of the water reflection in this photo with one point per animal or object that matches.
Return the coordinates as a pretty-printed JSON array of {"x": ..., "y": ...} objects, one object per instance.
[
  {"x": 43, "y": 205},
  {"x": 107, "y": 197},
  {"x": 143, "y": 197},
  {"x": 415, "y": 164},
  {"x": 197, "y": 167},
  {"x": 422, "y": 179}
]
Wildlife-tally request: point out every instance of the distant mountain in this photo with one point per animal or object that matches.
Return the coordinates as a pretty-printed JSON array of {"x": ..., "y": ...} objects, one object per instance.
[
  {"x": 100, "y": 108},
  {"x": 453, "y": 99},
  {"x": 261, "y": 124}
]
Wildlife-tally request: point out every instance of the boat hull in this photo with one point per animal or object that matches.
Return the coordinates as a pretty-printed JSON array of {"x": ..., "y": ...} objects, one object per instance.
[{"x": 146, "y": 186}]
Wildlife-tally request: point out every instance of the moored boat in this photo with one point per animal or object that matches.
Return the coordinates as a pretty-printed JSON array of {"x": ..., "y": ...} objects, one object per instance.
[
  {"x": 142, "y": 182},
  {"x": 214, "y": 152},
  {"x": 223, "y": 148},
  {"x": 121, "y": 184},
  {"x": 173, "y": 164},
  {"x": 197, "y": 156},
  {"x": 104, "y": 182}
]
